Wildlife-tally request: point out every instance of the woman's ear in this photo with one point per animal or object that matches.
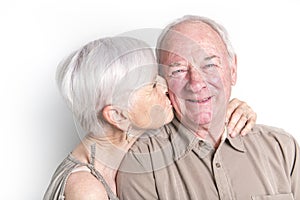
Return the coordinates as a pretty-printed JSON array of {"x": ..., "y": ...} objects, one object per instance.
[{"x": 116, "y": 117}]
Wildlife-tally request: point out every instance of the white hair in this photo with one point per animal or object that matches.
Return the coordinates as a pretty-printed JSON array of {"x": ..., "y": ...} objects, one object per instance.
[
  {"x": 221, "y": 31},
  {"x": 89, "y": 76}
]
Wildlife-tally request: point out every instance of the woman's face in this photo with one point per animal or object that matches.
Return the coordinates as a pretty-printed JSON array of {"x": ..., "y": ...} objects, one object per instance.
[{"x": 149, "y": 107}]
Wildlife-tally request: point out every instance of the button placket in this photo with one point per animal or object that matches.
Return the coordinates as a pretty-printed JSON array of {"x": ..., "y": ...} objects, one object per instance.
[
  {"x": 203, "y": 149},
  {"x": 220, "y": 177}
]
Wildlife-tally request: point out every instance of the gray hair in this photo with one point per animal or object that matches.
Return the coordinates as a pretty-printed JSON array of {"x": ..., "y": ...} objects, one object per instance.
[
  {"x": 88, "y": 78},
  {"x": 217, "y": 27}
]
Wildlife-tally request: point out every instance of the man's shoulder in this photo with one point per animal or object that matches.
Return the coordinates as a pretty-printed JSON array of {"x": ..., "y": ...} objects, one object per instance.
[
  {"x": 152, "y": 151},
  {"x": 272, "y": 144},
  {"x": 151, "y": 140},
  {"x": 270, "y": 136},
  {"x": 270, "y": 131}
]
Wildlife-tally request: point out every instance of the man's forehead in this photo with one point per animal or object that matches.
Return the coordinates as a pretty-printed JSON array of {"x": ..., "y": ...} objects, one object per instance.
[
  {"x": 191, "y": 38},
  {"x": 191, "y": 53},
  {"x": 179, "y": 43},
  {"x": 178, "y": 39},
  {"x": 191, "y": 29}
]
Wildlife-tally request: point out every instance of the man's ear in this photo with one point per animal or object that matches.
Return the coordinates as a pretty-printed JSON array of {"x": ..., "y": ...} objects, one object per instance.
[
  {"x": 234, "y": 70},
  {"x": 116, "y": 117}
]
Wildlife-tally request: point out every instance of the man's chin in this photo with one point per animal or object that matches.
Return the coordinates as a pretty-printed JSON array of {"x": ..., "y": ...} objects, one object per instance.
[
  {"x": 202, "y": 119},
  {"x": 195, "y": 123}
]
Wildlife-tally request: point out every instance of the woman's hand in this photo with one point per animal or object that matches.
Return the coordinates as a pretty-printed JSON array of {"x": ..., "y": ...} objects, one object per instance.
[{"x": 240, "y": 118}]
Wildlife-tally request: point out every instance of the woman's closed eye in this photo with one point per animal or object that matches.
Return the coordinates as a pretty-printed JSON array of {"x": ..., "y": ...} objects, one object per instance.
[{"x": 154, "y": 85}]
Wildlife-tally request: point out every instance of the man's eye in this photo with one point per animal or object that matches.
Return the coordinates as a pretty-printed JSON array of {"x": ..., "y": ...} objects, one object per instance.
[
  {"x": 178, "y": 72},
  {"x": 210, "y": 65}
]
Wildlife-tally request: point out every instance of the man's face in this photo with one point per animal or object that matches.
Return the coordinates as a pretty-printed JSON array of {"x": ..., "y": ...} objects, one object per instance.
[{"x": 198, "y": 73}]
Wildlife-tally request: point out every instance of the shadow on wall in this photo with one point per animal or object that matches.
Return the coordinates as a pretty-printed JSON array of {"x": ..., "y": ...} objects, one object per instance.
[{"x": 60, "y": 136}]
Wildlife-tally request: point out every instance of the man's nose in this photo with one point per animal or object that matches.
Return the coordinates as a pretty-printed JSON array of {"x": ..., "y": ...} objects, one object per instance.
[{"x": 196, "y": 80}]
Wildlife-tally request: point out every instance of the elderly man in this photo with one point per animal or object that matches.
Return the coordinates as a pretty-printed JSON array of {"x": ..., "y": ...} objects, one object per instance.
[{"x": 193, "y": 157}]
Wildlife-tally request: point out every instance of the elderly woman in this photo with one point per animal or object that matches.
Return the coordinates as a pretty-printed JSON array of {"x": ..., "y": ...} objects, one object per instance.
[{"x": 113, "y": 89}]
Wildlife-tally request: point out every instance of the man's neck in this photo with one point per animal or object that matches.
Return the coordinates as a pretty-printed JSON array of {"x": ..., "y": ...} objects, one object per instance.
[
  {"x": 211, "y": 132},
  {"x": 213, "y": 138}
]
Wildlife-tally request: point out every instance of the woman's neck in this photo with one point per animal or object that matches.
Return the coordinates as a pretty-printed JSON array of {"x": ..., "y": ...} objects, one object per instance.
[{"x": 110, "y": 151}]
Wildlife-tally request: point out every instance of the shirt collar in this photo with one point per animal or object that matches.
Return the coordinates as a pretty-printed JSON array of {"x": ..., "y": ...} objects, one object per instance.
[
  {"x": 185, "y": 140},
  {"x": 237, "y": 143},
  {"x": 182, "y": 139}
]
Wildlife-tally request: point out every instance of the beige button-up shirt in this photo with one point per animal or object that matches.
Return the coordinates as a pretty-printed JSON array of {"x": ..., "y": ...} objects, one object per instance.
[{"x": 173, "y": 163}]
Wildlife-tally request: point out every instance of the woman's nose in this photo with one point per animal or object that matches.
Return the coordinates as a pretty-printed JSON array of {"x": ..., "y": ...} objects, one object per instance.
[
  {"x": 162, "y": 84},
  {"x": 162, "y": 88}
]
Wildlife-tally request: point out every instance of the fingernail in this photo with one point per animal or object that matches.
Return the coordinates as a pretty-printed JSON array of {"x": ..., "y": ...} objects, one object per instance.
[
  {"x": 233, "y": 134},
  {"x": 226, "y": 121}
]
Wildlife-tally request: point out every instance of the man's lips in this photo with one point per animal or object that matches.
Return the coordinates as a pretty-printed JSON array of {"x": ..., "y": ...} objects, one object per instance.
[{"x": 201, "y": 101}]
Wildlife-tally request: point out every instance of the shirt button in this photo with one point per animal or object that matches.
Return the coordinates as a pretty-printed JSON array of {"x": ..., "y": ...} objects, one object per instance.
[
  {"x": 218, "y": 165},
  {"x": 202, "y": 144}
]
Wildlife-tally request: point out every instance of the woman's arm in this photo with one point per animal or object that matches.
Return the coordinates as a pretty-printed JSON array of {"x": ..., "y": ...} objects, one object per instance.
[{"x": 84, "y": 186}]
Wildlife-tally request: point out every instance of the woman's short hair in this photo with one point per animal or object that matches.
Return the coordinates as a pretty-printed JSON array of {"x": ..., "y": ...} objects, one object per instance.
[{"x": 91, "y": 77}]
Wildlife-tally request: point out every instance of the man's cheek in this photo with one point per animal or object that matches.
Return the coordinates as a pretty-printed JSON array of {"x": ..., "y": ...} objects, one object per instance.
[
  {"x": 175, "y": 103},
  {"x": 175, "y": 86}
]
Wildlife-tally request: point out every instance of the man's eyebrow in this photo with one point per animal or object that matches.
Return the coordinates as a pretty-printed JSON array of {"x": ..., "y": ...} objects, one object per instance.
[
  {"x": 174, "y": 64},
  {"x": 211, "y": 57}
]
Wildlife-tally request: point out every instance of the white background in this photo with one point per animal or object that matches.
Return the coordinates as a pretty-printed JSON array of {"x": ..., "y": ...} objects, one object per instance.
[{"x": 36, "y": 127}]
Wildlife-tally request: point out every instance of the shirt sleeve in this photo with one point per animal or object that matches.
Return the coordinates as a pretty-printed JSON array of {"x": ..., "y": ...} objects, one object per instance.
[
  {"x": 295, "y": 168},
  {"x": 135, "y": 178},
  {"x": 291, "y": 159},
  {"x": 136, "y": 186}
]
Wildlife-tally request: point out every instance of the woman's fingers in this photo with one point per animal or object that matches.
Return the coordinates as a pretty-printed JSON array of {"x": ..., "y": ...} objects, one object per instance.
[{"x": 241, "y": 118}]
